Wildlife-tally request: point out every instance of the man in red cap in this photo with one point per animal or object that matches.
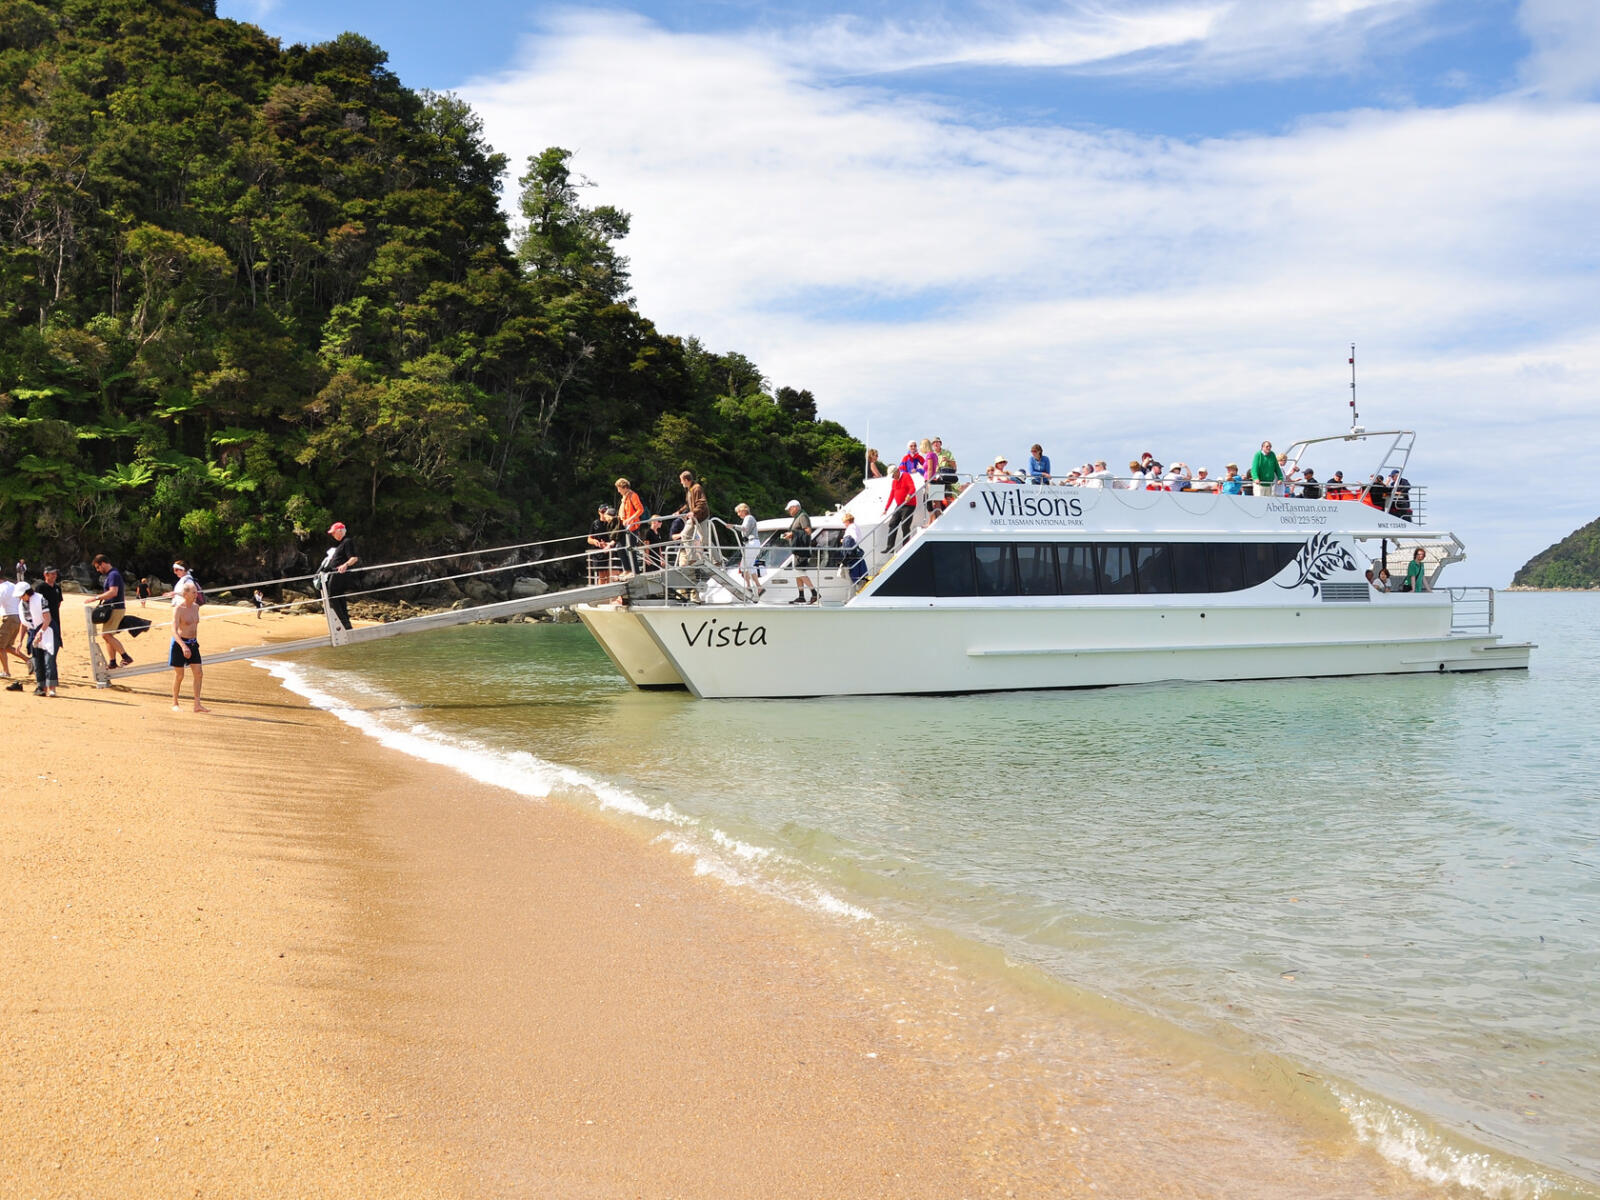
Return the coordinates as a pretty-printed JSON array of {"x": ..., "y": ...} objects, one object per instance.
[{"x": 340, "y": 558}]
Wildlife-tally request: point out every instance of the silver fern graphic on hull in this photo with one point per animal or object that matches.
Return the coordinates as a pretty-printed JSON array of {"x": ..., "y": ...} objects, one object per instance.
[{"x": 1320, "y": 557}]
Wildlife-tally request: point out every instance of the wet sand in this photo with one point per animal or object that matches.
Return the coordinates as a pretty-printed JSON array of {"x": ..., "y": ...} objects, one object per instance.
[{"x": 253, "y": 952}]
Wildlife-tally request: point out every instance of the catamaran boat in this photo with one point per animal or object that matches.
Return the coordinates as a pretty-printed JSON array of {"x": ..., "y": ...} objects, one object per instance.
[{"x": 1004, "y": 585}]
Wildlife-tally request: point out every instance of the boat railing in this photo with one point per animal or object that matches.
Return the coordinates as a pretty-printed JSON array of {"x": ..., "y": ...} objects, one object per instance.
[
  {"x": 1404, "y": 502},
  {"x": 1471, "y": 610}
]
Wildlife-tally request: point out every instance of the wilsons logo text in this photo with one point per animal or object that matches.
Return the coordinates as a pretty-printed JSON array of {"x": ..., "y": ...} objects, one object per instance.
[
  {"x": 713, "y": 633},
  {"x": 1020, "y": 504}
]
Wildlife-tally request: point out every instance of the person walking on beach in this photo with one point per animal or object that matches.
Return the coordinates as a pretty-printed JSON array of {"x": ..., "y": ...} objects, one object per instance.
[
  {"x": 46, "y": 645},
  {"x": 340, "y": 558},
  {"x": 10, "y": 629},
  {"x": 115, "y": 597},
  {"x": 50, "y": 588},
  {"x": 186, "y": 642},
  {"x": 259, "y": 601}
]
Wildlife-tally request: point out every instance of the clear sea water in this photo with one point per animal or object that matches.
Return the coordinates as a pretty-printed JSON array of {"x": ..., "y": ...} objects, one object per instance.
[{"x": 1394, "y": 882}]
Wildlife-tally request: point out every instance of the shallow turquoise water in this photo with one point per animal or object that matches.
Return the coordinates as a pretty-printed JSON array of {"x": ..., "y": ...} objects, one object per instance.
[{"x": 1394, "y": 881}]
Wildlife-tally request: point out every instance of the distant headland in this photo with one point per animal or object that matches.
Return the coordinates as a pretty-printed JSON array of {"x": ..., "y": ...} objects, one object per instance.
[{"x": 1572, "y": 564}]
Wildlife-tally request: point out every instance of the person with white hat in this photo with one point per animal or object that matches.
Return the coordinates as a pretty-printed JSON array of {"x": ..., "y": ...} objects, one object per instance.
[{"x": 799, "y": 536}]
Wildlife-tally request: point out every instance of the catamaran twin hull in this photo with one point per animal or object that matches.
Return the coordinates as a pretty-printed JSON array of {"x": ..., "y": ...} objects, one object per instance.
[
  {"x": 718, "y": 651},
  {"x": 1021, "y": 586}
]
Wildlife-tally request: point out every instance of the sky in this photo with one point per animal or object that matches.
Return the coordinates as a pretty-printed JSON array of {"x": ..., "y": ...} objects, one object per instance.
[{"x": 1105, "y": 226}]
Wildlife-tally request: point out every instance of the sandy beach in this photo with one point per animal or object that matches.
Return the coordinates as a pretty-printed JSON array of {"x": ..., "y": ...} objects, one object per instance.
[{"x": 254, "y": 953}]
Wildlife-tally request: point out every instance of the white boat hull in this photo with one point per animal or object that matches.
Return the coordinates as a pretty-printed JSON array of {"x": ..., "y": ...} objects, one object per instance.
[
  {"x": 627, "y": 642},
  {"x": 720, "y": 652}
]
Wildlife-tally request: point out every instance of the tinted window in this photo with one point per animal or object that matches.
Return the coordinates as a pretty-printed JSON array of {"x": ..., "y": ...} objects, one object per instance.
[
  {"x": 1227, "y": 566},
  {"x": 1077, "y": 570},
  {"x": 1116, "y": 569},
  {"x": 997, "y": 575},
  {"x": 1154, "y": 567},
  {"x": 1263, "y": 560},
  {"x": 1081, "y": 569},
  {"x": 1036, "y": 570},
  {"x": 1189, "y": 567},
  {"x": 912, "y": 576},
  {"x": 952, "y": 568}
]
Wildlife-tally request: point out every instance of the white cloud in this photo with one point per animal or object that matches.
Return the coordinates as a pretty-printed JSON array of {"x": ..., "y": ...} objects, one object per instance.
[
  {"x": 1197, "y": 38},
  {"x": 1104, "y": 292},
  {"x": 1565, "y": 34}
]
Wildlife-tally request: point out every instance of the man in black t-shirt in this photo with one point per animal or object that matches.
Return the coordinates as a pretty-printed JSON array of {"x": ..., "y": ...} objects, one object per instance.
[{"x": 340, "y": 558}]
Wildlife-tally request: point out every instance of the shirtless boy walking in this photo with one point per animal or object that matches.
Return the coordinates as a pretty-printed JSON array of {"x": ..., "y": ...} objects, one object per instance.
[{"x": 186, "y": 641}]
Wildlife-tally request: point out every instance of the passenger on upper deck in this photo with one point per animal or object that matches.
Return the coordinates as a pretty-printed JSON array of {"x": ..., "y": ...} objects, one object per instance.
[
  {"x": 1336, "y": 489},
  {"x": 1264, "y": 470},
  {"x": 1000, "y": 472},
  {"x": 1203, "y": 481},
  {"x": 911, "y": 462},
  {"x": 1135, "y": 477},
  {"x": 1038, "y": 465},
  {"x": 1099, "y": 477},
  {"x": 1310, "y": 489},
  {"x": 1376, "y": 493},
  {"x": 1231, "y": 484},
  {"x": 874, "y": 467},
  {"x": 1401, "y": 489},
  {"x": 944, "y": 463}
]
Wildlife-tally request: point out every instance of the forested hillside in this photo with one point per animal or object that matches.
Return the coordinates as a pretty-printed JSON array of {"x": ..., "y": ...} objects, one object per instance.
[
  {"x": 1573, "y": 562},
  {"x": 246, "y": 289}
]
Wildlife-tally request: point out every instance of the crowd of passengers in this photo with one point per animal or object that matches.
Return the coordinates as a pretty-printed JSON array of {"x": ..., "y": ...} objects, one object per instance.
[{"x": 1269, "y": 474}]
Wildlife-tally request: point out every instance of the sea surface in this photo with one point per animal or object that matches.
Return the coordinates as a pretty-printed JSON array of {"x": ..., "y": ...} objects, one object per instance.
[{"x": 1393, "y": 883}]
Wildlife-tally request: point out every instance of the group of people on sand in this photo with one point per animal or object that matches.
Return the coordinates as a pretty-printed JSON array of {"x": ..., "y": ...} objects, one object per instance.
[
  {"x": 30, "y": 614},
  {"x": 30, "y": 609}
]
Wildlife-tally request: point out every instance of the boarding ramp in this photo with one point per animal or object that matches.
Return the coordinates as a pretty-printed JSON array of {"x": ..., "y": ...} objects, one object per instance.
[{"x": 659, "y": 581}]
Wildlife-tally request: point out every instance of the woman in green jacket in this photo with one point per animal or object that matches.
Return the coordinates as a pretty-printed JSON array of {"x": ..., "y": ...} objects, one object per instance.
[
  {"x": 1264, "y": 470},
  {"x": 1414, "y": 579}
]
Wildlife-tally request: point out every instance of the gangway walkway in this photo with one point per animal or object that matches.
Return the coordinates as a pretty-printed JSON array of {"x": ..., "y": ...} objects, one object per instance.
[{"x": 640, "y": 584}]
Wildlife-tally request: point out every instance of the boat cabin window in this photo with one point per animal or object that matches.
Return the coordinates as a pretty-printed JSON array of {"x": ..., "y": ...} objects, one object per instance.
[
  {"x": 1077, "y": 569},
  {"x": 1115, "y": 565},
  {"x": 942, "y": 568},
  {"x": 952, "y": 568},
  {"x": 997, "y": 570}
]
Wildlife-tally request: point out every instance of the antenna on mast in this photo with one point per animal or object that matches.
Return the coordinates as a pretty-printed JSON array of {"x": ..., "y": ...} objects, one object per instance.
[{"x": 1355, "y": 417}]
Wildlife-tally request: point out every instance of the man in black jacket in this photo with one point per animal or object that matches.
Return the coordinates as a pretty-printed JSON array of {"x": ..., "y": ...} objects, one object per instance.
[{"x": 340, "y": 558}]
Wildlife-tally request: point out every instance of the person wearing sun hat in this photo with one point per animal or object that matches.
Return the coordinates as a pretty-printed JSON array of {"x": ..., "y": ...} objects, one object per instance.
[
  {"x": 336, "y": 563},
  {"x": 1000, "y": 472}
]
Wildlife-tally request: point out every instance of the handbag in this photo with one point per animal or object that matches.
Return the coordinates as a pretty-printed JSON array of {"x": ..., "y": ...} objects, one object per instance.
[{"x": 101, "y": 614}]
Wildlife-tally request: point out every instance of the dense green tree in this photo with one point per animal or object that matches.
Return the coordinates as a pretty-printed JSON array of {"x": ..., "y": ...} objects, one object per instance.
[{"x": 244, "y": 288}]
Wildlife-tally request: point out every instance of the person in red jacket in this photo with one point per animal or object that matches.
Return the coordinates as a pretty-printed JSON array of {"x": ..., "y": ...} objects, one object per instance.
[{"x": 902, "y": 498}]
